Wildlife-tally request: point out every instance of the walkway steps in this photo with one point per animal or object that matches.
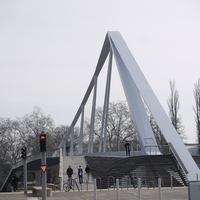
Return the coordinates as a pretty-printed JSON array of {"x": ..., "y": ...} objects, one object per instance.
[
  {"x": 75, "y": 162},
  {"x": 148, "y": 168}
]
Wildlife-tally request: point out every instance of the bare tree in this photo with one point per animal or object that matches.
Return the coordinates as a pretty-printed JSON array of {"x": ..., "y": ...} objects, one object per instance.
[
  {"x": 10, "y": 141},
  {"x": 119, "y": 128},
  {"x": 31, "y": 127},
  {"x": 14, "y": 134},
  {"x": 196, "y": 108},
  {"x": 58, "y": 135},
  {"x": 174, "y": 105}
]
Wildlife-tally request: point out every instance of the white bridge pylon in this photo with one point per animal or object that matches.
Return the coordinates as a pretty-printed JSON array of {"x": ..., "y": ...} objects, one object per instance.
[{"x": 137, "y": 91}]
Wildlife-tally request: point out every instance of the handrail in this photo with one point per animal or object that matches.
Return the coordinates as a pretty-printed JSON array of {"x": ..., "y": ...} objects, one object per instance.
[
  {"x": 109, "y": 181},
  {"x": 99, "y": 180},
  {"x": 149, "y": 184},
  {"x": 157, "y": 149},
  {"x": 178, "y": 158}
]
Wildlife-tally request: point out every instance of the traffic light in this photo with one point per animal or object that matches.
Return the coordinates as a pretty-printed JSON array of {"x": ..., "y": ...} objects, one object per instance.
[
  {"x": 23, "y": 152},
  {"x": 42, "y": 142}
]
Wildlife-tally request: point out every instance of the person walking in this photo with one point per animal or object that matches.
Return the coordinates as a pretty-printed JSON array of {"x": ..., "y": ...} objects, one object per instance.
[
  {"x": 69, "y": 173},
  {"x": 88, "y": 171},
  {"x": 80, "y": 174},
  {"x": 127, "y": 147},
  {"x": 14, "y": 182}
]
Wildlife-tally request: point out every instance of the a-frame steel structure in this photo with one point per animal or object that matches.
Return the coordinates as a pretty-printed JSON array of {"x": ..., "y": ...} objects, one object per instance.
[{"x": 137, "y": 91}]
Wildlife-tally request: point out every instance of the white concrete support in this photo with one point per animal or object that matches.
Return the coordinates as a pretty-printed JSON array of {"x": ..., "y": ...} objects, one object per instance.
[
  {"x": 71, "y": 141},
  {"x": 64, "y": 148},
  {"x": 61, "y": 168},
  {"x": 80, "y": 148},
  {"x": 91, "y": 137},
  {"x": 106, "y": 107}
]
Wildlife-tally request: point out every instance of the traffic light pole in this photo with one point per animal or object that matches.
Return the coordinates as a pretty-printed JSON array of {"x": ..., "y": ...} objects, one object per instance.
[
  {"x": 24, "y": 157},
  {"x": 25, "y": 176},
  {"x": 44, "y": 191}
]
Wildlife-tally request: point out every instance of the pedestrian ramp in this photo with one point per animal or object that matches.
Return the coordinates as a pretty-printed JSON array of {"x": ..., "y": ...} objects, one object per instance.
[{"x": 75, "y": 162}]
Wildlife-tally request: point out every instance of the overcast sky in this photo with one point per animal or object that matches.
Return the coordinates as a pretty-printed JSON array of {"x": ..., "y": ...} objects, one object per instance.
[{"x": 49, "y": 50}]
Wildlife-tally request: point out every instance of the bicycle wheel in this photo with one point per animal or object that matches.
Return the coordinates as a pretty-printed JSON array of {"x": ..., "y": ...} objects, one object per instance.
[{"x": 66, "y": 187}]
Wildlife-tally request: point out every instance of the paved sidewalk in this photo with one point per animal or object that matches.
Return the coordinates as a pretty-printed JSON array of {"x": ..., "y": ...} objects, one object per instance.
[{"x": 131, "y": 194}]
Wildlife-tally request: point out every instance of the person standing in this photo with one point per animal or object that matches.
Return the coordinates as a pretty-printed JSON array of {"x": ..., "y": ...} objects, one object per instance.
[
  {"x": 80, "y": 175},
  {"x": 88, "y": 171},
  {"x": 67, "y": 150},
  {"x": 14, "y": 182},
  {"x": 127, "y": 147},
  {"x": 69, "y": 173}
]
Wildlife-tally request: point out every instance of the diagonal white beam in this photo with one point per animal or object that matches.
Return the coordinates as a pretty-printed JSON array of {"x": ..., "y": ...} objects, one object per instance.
[{"x": 154, "y": 105}]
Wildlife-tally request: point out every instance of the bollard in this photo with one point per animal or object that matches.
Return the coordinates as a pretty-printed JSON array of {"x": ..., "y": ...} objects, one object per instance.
[
  {"x": 117, "y": 185},
  {"x": 159, "y": 189},
  {"x": 139, "y": 188},
  {"x": 197, "y": 177},
  {"x": 95, "y": 189},
  {"x": 171, "y": 181}
]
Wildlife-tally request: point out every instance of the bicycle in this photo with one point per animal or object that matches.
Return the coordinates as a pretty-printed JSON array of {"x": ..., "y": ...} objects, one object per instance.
[{"x": 67, "y": 186}]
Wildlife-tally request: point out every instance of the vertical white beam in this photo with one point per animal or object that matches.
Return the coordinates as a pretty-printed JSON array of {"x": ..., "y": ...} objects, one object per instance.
[
  {"x": 80, "y": 148},
  {"x": 107, "y": 101},
  {"x": 106, "y": 105},
  {"x": 71, "y": 141},
  {"x": 91, "y": 137}
]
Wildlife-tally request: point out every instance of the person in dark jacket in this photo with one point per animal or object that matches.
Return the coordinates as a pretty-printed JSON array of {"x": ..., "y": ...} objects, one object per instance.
[
  {"x": 80, "y": 175},
  {"x": 88, "y": 171},
  {"x": 14, "y": 182},
  {"x": 69, "y": 173},
  {"x": 127, "y": 147}
]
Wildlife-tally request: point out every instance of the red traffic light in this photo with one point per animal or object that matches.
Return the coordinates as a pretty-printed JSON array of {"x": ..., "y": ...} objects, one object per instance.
[
  {"x": 42, "y": 142},
  {"x": 42, "y": 137}
]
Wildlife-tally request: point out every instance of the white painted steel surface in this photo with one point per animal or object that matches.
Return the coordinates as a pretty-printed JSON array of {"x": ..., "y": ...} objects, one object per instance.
[
  {"x": 133, "y": 72},
  {"x": 137, "y": 90}
]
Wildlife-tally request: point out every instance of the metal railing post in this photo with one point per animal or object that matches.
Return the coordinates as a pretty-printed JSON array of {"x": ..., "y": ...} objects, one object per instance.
[
  {"x": 117, "y": 185},
  {"x": 95, "y": 189},
  {"x": 159, "y": 189},
  {"x": 171, "y": 181},
  {"x": 139, "y": 188}
]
